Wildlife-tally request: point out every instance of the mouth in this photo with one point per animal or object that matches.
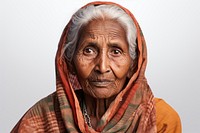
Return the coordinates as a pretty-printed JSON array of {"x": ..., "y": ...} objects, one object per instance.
[{"x": 101, "y": 83}]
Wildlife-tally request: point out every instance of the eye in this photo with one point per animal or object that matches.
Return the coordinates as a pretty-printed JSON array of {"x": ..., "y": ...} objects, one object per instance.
[
  {"x": 89, "y": 51},
  {"x": 116, "y": 52}
]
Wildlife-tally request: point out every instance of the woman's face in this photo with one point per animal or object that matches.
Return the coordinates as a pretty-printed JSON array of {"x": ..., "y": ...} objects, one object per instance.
[{"x": 102, "y": 59}]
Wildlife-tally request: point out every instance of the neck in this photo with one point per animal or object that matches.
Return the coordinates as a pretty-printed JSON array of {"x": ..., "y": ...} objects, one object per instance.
[{"x": 96, "y": 108}]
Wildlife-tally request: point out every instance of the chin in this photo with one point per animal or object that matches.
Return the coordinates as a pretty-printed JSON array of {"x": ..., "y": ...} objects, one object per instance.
[{"x": 103, "y": 95}]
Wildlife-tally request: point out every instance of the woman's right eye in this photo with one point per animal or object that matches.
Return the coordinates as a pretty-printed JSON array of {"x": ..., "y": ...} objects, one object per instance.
[{"x": 89, "y": 51}]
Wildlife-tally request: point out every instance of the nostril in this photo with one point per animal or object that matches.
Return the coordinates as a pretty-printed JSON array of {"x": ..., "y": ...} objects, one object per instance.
[
  {"x": 108, "y": 71},
  {"x": 100, "y": 70}
]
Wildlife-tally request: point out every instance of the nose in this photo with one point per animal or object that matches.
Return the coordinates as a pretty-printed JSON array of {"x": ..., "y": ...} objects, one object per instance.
[{"x": 103, "y": 63}]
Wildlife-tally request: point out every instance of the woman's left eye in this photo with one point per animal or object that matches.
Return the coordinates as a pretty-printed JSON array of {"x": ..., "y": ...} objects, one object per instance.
[{"x": 116, "y": 52}]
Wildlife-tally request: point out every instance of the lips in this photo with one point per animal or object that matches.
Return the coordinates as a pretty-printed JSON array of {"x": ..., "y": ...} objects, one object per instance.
[{"x": 101, "y": 83}]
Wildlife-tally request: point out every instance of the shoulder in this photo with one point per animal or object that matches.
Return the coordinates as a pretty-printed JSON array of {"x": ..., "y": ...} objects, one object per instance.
[
  {"x": 44, "y": 105},
  {"x": 38, "y": 116},
  {"x": 167, "y": 119}
]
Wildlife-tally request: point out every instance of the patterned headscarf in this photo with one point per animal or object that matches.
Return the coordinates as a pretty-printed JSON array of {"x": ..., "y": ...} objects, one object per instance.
[{"x": 133, "y": 109}]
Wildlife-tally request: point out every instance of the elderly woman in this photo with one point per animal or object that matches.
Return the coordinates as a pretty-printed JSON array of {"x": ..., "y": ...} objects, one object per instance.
[{"x": 101, "y": 84}]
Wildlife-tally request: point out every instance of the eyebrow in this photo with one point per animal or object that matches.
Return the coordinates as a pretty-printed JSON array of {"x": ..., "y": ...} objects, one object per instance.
[
  {"x": 114, "y": 45},
  {"x": 92, "y": 44}
]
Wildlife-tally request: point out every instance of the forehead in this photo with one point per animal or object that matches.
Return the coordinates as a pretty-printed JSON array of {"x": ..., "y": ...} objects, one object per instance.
[{"x": 109, "y": 28}]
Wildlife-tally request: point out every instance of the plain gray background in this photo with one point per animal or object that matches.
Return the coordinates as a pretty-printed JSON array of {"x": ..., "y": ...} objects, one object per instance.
[{"x": 30, "y": 31}]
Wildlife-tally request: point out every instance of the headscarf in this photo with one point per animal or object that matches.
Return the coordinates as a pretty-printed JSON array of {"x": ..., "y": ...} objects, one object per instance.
[{"x": 132, "y": 110}]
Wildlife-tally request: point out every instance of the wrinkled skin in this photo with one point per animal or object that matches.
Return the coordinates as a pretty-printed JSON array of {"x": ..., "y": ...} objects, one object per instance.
[
  {"x": 102, "y": 59},
  {"x": 102, "y": 62}
]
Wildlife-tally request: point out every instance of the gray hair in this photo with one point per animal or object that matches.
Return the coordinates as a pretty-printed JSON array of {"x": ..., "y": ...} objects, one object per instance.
[{"x": 83, "y": 16}]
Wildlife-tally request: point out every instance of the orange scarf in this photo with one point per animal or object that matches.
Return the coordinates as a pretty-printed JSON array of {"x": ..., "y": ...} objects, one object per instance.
[{"x": 135, "y": 101}]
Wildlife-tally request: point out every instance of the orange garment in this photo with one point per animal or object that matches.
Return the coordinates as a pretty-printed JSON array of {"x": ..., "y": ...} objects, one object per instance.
[{"x": 167, "y": 119}]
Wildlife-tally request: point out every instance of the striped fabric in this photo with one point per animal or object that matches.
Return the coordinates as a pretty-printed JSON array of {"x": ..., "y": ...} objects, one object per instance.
[{"x": 132, "y": 111}]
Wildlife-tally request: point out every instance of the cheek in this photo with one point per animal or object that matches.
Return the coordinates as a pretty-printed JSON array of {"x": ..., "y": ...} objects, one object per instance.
[
  {"x": 121, "y": 67},
  {"x": 83, "y": 67}
]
